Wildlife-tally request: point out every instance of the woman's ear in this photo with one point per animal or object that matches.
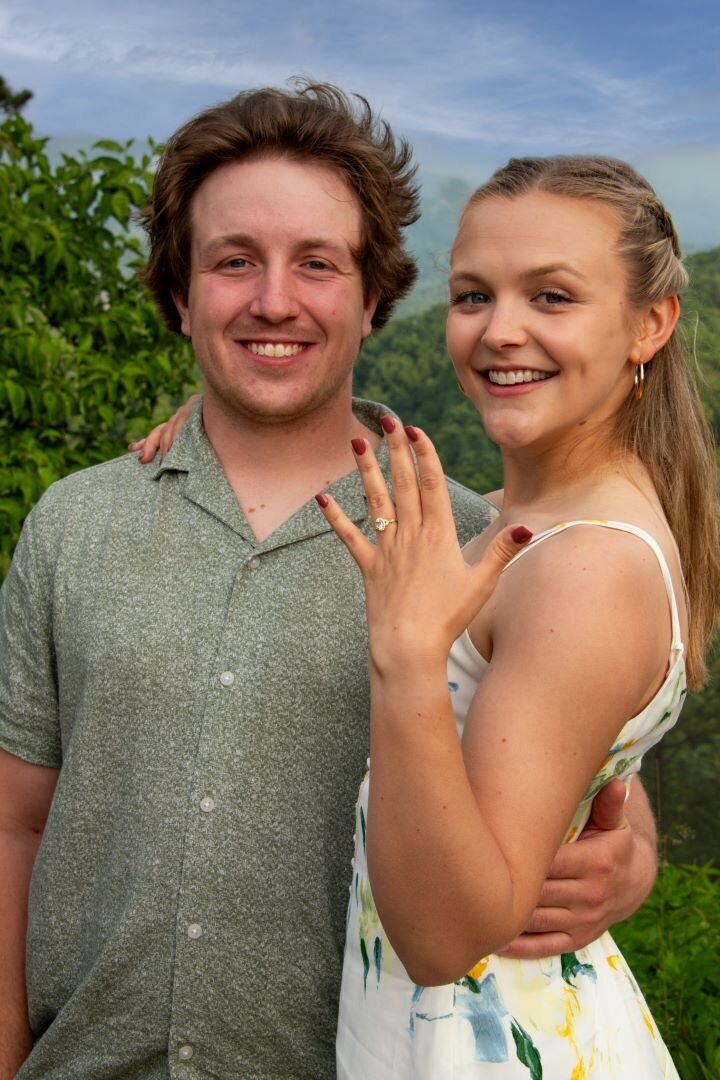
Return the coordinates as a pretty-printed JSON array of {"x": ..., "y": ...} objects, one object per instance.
[{"x": 655, "y": 327}]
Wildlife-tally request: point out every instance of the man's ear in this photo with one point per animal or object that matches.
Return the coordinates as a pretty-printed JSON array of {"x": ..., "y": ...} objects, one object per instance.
[
  {"x": 656, "y": 325},
  {"x": 369, "y": 305},
  {"x": 184, "y": 312}
]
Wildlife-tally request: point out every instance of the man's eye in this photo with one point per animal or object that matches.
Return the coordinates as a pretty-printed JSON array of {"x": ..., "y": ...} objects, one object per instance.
[
  {"x": 317, "y": 264},
  {"x": 472, "y": 298},
  {"x": 236, "y": 263}
]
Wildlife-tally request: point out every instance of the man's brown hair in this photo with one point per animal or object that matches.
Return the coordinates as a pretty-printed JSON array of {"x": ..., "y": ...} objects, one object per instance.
[{"x": 314, "y": 122}]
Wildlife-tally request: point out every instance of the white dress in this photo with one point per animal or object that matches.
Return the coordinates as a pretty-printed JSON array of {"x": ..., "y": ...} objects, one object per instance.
[{"x": 580, "y": 1016}]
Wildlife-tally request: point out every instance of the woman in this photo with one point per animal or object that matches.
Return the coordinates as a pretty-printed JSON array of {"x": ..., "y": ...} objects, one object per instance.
[
  {"x": 565, "y": 280},
  {"x": 562, "y": 672}
]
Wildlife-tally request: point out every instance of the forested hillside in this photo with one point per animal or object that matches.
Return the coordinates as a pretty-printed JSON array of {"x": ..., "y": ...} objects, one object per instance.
[{"x": 407, "y": 366}]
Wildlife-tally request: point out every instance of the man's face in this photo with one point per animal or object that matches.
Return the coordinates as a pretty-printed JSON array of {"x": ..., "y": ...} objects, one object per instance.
[{"x": 275, "y": 307}]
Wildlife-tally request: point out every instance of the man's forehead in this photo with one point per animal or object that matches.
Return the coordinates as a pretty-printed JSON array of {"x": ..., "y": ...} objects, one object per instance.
[{"x": 303, "y": 202}]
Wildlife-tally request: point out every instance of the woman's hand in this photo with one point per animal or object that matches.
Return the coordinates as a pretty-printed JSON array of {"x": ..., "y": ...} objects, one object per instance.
[
  {"x": 420, "y": 592},
  {"x": 164, "y": 435}
]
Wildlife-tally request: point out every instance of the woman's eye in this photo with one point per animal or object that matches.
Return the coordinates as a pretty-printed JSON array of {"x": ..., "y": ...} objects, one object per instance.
[
  {"x": 551, "y": 297},
  {"x": 472, "y": 298}
]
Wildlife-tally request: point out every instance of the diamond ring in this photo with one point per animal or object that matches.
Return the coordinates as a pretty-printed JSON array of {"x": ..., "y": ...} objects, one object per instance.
[{"x": 381, "y": 524}]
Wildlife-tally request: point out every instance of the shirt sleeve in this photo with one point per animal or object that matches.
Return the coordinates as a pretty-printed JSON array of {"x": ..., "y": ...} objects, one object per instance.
[{"x": 29, "y": 722}]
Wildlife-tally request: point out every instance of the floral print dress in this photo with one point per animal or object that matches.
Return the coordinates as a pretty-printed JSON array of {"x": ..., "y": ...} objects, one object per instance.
[{"x": 579, "y": 1016}]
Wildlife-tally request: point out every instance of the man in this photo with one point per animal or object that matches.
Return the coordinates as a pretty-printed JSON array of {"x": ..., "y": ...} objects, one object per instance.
[{"x": 183, "y": 694}]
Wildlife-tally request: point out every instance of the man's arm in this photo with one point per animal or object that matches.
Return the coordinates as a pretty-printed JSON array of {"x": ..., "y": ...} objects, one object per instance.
[
  {"x": 26, "y": 792},
  {"x": 598, "y": 881}
]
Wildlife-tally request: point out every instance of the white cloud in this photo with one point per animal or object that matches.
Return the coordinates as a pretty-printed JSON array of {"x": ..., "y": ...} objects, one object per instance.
[{"x": 454, "y": 72}]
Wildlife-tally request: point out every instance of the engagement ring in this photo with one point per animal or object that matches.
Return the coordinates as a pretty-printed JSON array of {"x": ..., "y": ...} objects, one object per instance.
[{"x": 381, "y": 524}]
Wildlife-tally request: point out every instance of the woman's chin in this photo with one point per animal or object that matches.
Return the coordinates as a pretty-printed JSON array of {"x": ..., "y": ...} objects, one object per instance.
[{"x": 507, "y": 434}]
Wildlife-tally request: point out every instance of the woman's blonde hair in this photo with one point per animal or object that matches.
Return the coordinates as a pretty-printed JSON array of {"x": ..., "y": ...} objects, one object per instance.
[{"x": 666, "y": 428}]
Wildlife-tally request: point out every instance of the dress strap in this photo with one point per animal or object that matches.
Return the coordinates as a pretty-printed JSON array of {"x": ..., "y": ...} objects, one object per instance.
[{"x": 621, "y": 526}]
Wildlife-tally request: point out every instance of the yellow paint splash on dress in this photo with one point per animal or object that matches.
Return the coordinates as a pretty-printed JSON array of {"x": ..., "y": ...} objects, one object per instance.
[
  {"x": 479, "y": 969},
  {"x": 648, "y": 1022},
  {"x": 617, "y": 964},
  {"x": 572, "y": 1010}
]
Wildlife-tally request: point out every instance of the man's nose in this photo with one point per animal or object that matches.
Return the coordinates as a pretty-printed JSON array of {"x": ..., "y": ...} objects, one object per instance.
[
  {"x": 505, "y": 327},
  {"x": 275, "y": 297}
]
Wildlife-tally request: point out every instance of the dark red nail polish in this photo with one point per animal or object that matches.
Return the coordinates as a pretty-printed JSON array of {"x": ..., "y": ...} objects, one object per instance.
[
  {"x": 521, "y": 535},
  {"x": 388, "y": 423},
  {"x": 321, "y": 500},
  {"x": 359, "y": 446},
  {"x": 411, "y": 434}
]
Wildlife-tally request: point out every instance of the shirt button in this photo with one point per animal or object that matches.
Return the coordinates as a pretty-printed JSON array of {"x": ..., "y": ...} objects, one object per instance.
[
  {"x": 227, "y": 678},
  {"x": 194, "y": 930},
  {"x": 185, "y": 1052},
  {"x": 207, "y": 804},
  {"x": 254, "y": 562}
]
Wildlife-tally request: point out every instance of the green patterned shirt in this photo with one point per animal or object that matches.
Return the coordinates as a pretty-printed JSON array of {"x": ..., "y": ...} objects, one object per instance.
[{"x": 206, "y": 695}]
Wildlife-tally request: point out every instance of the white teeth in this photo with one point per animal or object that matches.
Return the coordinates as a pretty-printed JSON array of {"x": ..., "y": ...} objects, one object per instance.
[
  {"x": 509, "y": 378},
  {"x": 267, "y": 348}
]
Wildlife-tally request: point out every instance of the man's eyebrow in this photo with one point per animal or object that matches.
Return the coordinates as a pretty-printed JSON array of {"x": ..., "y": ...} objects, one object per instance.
[
  {"x": 245, "y": 240},
  {"x": 229, "y": 240}
]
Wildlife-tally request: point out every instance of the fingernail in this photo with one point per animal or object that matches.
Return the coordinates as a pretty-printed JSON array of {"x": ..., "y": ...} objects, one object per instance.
[
  {"x": 411, "y": 434},
  {"x": 388, "y": 423},
  {"x": 321, "y": 500},
  {"x": 521, "y": 535},
  {"x": 358, "y": 446}
]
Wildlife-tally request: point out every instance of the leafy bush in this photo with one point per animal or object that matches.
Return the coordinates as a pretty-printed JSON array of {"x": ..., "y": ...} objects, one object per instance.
[
  {"x": 671, "y": 945},
  {"x": 85, "y": 364}
]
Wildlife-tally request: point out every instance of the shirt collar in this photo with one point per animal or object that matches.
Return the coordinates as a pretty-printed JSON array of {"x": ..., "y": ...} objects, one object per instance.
[{"x": 203, "y": 481}]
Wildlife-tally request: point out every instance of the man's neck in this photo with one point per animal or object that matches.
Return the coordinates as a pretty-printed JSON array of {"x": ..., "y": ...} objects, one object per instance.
[{"x": 275, "y": 468}]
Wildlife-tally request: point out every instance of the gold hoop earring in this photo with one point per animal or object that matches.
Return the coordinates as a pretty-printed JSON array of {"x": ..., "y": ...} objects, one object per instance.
[
  {"x": 460, "y": 387},
  {"x": 639, "y": 381}
]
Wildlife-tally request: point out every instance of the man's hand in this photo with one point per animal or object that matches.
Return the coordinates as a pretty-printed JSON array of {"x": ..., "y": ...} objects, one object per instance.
[{"x": 598, "y": 881}]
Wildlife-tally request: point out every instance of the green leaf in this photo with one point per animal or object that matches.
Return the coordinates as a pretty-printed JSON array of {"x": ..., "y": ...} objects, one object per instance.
[
  {"x": 16, "y": 396},
  {"x": 109, "y": 144},
  {"x": 120, "y": 205},
  {"x": 526, "y": 1051}
]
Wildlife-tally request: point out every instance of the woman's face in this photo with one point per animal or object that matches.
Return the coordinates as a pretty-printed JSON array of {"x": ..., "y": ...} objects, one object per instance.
[{"x": 540, "y": 329}]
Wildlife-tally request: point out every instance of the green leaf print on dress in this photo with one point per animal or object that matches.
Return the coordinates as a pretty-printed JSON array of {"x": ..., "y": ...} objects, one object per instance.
[
  {"x": 572, "y": 967},
  {"x": 527, "y": 1051},
  {"x": 371, "y": 932}
]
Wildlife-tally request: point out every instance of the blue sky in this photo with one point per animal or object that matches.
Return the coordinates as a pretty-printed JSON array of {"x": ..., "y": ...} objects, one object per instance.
[{"x": 468, "y": 83}]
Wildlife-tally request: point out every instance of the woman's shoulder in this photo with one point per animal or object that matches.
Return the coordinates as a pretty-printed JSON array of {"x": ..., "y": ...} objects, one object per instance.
[{"x": 603, "y": 582}]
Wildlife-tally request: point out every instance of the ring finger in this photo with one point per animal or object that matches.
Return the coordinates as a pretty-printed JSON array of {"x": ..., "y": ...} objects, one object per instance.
[{"x": 381, "y": 508}]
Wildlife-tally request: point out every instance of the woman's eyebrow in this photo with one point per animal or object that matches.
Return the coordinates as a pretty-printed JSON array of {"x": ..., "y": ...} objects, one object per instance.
[{"x": 552, "y": 268}]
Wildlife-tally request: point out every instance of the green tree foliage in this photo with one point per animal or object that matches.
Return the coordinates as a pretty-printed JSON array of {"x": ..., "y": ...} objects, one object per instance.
[
  {"x": 671, "y": 945},
  {"x": 84, "y": 361},
  {"x": 12, "y": 102}
]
